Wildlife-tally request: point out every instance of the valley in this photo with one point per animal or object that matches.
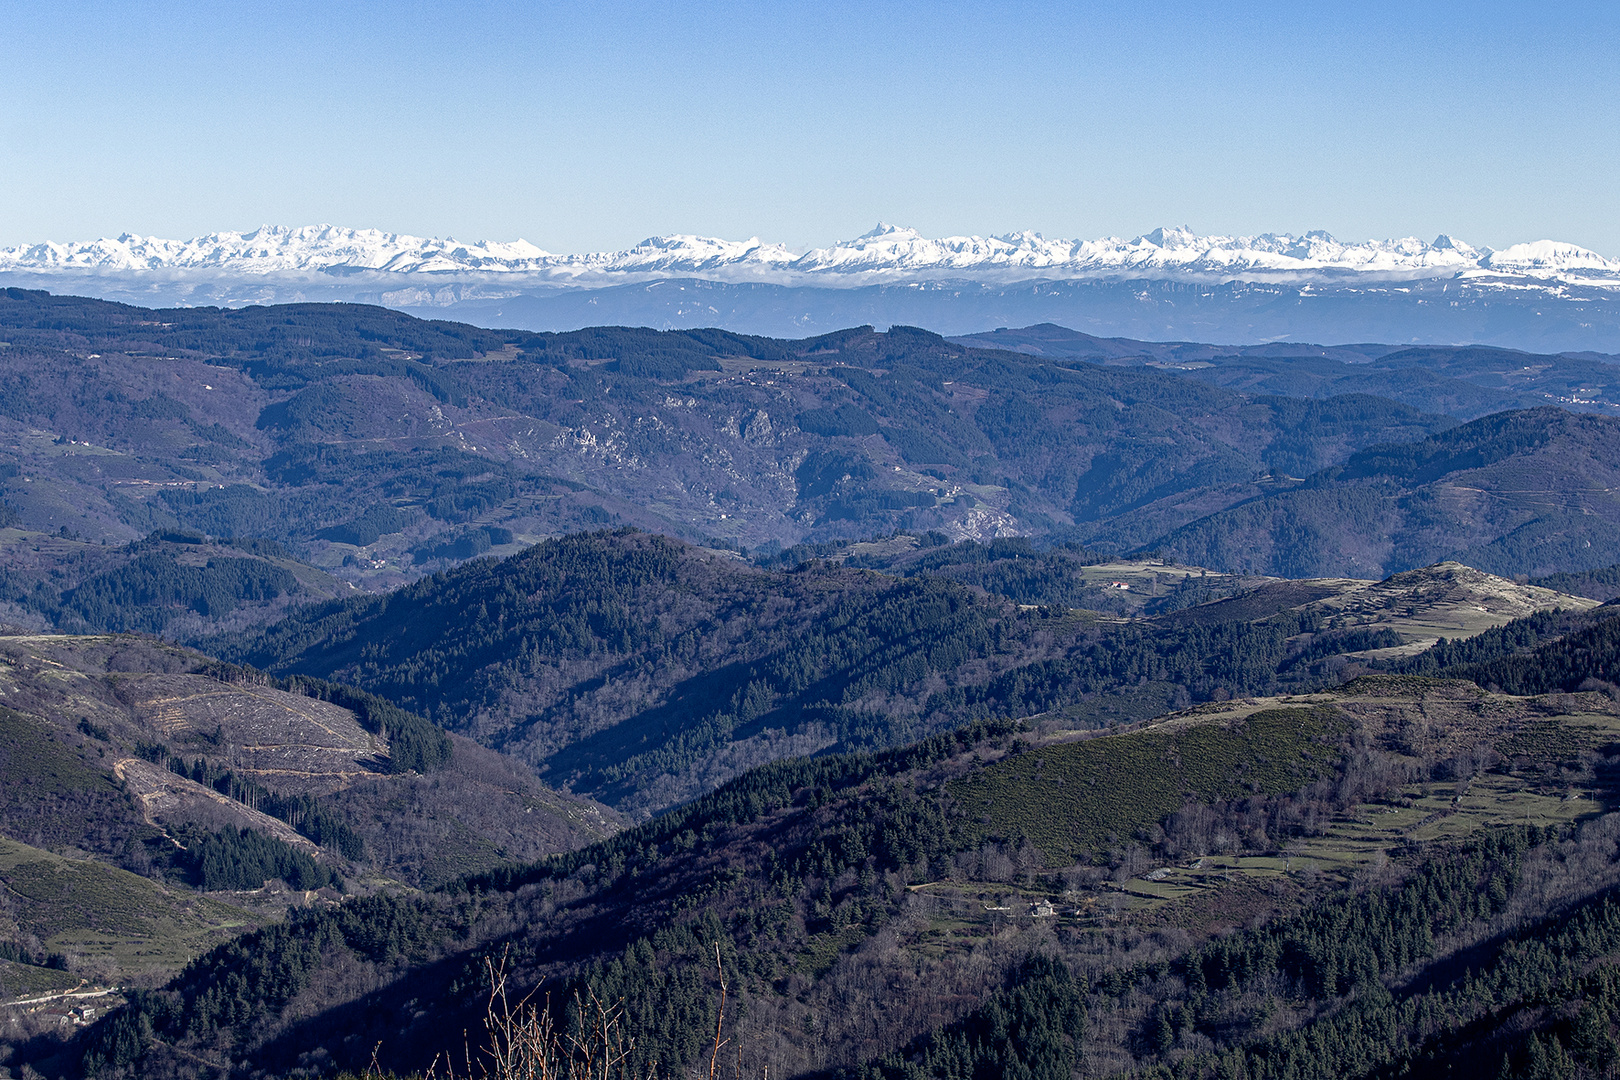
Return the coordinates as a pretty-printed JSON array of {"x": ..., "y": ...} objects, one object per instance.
[
  {"x": 769, "y": 870},
  {"x": 897, "y": 706},
  {"x": 927, "y": 867},
  {"x": 375, "y": 447},
  {"x": 1148, "y": 608}
]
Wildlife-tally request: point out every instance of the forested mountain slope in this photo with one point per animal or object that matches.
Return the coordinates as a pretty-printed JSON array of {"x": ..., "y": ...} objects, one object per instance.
[
  {"x": 1130, "y": 719},
  {"x": 1525, "y": 492},
  {"x": 1602, "y": 583},
  {"x": 1338, "y": 884},
  {"x": 1462, "y": 381},
  {"x": 357, "y": 433},
  {"x": 648, "y": 671},
  {"x": 1017, "y": 568},
  {"x": 377, "y": 446},
  {"x": 870, "y": 909},
  {"x": 644, "y": 671},
  {"x": 155, "y": 803},
  {"x": 117, "y": 748},
  {"x": 174, "y": 583}
]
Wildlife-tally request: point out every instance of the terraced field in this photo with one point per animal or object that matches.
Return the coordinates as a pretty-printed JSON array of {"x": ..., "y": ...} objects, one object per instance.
[
  {"x": 92, "y": 732},
  {"x": 1516, "y": 760}
]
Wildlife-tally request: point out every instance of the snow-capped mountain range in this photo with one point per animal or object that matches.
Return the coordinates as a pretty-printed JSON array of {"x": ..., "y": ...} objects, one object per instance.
[
  {"x": 887, "y": 254},
  {"x": 1169, "y": 284}
]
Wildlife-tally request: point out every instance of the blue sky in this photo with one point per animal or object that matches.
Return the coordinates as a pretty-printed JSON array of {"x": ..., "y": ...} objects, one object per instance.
[{"x": 591, "y": 126}]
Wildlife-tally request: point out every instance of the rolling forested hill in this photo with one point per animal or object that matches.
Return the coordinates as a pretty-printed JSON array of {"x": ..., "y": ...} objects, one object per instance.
[
  {"x": 1019, "y": 712},
  {"x": 1462, "y": 381},
  {"x": 1180, "y": 840},
  {"x": 116, "y": 745},
  {"x": 1512, "y": 493},
  {"x": 644, "y": 672},
  {"x": 1355, "y": 883},
  {"x": 155, "y": 803},
  {"x": 376, "y": 446},
  {"x": 174, "y": 583}
]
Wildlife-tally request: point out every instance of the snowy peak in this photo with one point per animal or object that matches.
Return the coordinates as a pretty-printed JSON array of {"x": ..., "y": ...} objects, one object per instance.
[
  {"x": 1172, "y": 238},
  {"x": 684, "y": 254},
  {"x": 885, "y": 253},
  {"x": 1451, "y": 243},
  {"x": 1546, "y": 256},
  {"x": 885, "y": 231},
  {"x": 273, "y": 248}
]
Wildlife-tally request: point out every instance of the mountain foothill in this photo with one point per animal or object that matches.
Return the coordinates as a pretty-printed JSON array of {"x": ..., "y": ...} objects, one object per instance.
[{"x": 877, "y": 705}]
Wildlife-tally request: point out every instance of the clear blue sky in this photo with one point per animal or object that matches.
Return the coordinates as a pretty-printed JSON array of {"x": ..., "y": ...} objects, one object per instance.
[{"x": 586, "y": 126}]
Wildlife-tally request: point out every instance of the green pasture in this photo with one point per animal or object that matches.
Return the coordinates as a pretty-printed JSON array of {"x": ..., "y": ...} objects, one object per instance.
[
  {"x": 97, "y": 912},
  {"x": 26, "y": 980}
]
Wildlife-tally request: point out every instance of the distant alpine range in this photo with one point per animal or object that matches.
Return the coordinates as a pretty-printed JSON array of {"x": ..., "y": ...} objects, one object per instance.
[
  {"x": 886, "y": 254},
  {"x": 1169, "y": 284}
]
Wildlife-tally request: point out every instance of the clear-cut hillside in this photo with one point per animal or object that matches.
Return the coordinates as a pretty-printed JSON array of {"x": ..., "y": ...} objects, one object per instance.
[{"x": 114, "y": 744}]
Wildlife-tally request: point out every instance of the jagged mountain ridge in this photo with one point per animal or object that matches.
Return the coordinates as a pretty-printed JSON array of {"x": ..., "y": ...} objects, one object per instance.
[
  {"x": 885, "y": 253},
  {"x": 1168, "y": 284}
]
